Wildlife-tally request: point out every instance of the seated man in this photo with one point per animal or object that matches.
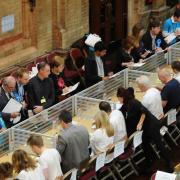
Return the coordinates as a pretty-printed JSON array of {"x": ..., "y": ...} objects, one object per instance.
[
  {"x": 40, "y": 90},
  {"x": 116, "y": 119},
  {"x": 172, "y": 25},
  {"x": 170, "y": 92},
  {"x": 152, "y": 41},
  {"x": 8, "y": 85},
  {"x": 72, "y": 143},
  {"x": 94, "y": 67},
  {"x": 49, "y": 158}
]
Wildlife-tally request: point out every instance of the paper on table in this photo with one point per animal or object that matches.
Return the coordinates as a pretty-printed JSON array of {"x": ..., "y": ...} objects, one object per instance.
[
  {"x": 13, "y": 106},
  {"x": 71, "y": 88},
  {"x": 137, "y": 140},
  {"x": 114, "y": 75},
  {"x": 170, "y": 38},
  {"x": 138, "y": 64},
  {"x": 164, "y": 176}
]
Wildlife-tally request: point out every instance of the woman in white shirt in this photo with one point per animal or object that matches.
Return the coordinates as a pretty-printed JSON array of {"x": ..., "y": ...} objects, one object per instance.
[
  {"x": 102, "y": 138},
  {"x": 26, "y": 167}
]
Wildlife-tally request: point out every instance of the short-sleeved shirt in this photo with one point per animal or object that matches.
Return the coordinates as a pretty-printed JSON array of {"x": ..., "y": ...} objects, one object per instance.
[
  {"x": 50, "y": 159},
  {"x": 152, "y": 101},
  {"x": 36, "y": 174},
  {"x": 171, "y": 94},
  {"x": 116, "y": 119}
]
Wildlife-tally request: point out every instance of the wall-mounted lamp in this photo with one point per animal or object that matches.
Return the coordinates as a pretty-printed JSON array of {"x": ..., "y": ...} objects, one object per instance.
[{"x": 32, "y": 4}]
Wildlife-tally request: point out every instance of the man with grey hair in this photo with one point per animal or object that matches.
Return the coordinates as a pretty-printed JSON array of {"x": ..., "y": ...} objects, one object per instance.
[
  {"x": 170, "y": 92},
  {"x": 152, "y": 98},
  {"x": 8, "y": 85}
]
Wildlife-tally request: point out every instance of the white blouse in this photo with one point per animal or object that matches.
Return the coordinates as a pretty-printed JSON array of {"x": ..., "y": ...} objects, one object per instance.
[{"x": 36, "y": 174}]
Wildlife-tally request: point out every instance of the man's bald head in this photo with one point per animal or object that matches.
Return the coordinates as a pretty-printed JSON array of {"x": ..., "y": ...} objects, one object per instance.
[
  {"x": 164, "y": 75},
  {"x": 9, "y": 83}
]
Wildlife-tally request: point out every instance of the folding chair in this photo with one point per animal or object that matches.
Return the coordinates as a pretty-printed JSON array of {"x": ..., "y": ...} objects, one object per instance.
[
  {"x": 163, "y": 131},
  {"x": 71, "y": 174},
  {"x": 124, "y": 164},
  {"x": 96, "y": 169},
  {"x": 173, "y": 131}
]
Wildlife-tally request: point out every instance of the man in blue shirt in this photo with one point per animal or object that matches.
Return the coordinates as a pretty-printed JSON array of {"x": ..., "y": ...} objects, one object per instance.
[{"x": 172, "y": 25}]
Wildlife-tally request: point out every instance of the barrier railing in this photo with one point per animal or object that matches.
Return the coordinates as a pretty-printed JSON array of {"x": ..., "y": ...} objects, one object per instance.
[
  {"x": 153, "y": 62},
  {"x": 86, "y": 107},
  {"x": 5, "y": 142},
  {"x": 43, "y": 121},
  {"x": 19, "y": 139},
  {"x": 174, "y": 53}
]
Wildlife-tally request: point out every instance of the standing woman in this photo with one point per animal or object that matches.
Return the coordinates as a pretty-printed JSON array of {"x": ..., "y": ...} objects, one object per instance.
[
  {"x": 102, "y": 138},
  {"x": 137, "y": 117},
  {"x": 26, "y": 167},
  {"x": 57, "y": 66}
]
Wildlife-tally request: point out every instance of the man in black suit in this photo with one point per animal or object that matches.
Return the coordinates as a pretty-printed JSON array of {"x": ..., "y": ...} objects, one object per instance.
[
  {"x": 94, "y": 67},
  {"x": 153, "y": 41},
  {"x": 8, "y": 85}
]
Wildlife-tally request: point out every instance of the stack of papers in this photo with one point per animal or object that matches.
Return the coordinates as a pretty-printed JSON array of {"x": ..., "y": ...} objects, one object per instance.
[
  {"x": 92, "y": 39},
  {"x": 164, "y": 176},
  {"x": 13, "y": 106},
  {"x": 71, "y": 88},
  {"x": 170, "y": 38}
]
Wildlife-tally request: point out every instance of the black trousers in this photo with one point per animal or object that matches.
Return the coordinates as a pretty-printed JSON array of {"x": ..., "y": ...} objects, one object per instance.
[{"x": 154, "y": 136}]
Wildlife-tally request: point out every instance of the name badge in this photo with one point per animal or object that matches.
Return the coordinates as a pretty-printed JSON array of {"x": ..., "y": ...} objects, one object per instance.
[{"x": 43, "y": 100}]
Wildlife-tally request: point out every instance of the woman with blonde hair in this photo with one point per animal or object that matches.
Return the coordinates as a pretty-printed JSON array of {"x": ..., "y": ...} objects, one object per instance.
[
  {"x": 102, "y": 138},
  {"x": 26, "y": 167}
]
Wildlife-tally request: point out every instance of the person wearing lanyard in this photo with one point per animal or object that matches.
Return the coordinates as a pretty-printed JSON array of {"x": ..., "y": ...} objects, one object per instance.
[
  {"x": 22, "y": 78},
  {"x": 40, "y": 90}
]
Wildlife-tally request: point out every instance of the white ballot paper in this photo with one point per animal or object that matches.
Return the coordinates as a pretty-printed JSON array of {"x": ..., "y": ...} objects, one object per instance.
[
  {"x": 138, "y": 64},
  {"x": 100, "y": 161},
  {"x": 13, "y": 106},
  {"x": 71, "y": 88},
  {"x": 92, "y": 39},
  {"x": 164, "y": 176},
  {"x": 119, "y": 149},
  {"x": 170, "y": 38},
  {"x": 137, "y": 140},
  {"x": 171, "y": 116},
  {"x": 74, "y": 174}
]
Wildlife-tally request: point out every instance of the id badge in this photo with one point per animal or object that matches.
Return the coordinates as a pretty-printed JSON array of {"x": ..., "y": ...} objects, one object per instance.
[{"x": 43, "y": 100}]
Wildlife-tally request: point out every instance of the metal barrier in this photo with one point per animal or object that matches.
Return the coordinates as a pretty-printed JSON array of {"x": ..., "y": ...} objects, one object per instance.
[
  {"x": 153, "y": 62},
  {"x": 19, "y": 139},
  {"x": 5, "y": 142},
  {"x": 43, "y": 121},
  {"x": 174, "y": 53},
  {"x": 86, "y": 107},
  {"x": 106, "y": 89},
  {"x": 103, "y": 88}
]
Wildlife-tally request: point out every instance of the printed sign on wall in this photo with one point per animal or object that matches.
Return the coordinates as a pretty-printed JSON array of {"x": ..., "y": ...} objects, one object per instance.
[{"x": 7, "y": 23}]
